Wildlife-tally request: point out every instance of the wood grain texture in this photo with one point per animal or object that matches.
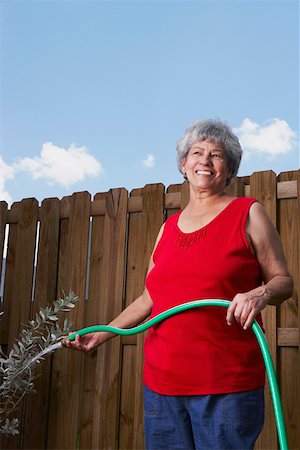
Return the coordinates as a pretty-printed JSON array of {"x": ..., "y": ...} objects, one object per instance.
[
  {"x": 95, "y": 401},
  {"x": 93, "y": 316},
  {"x": 67, "y": 364},
  {"x": 263, "y": 188},
  {"x": 3, "y": 222},
  {"x": 36, "y": 408},
  {"x": 135, "y": 274},
  {"x": 151, "y": 221},
  {"x": 20, "y": 290},
  {"x": 3, "y": 216},
  {"x": 108, "y": 373},
  {"x": 289, "y": 314}
]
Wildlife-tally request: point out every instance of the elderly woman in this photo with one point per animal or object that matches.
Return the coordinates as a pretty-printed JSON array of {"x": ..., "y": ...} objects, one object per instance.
[{"x": 203, "y": 371}]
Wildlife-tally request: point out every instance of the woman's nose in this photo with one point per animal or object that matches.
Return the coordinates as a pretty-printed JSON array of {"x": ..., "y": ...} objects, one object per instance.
[{"x": 205, "y": 158}]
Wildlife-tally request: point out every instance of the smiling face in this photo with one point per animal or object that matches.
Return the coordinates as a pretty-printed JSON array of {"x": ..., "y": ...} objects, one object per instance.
[{"x": 206, "y": 166}]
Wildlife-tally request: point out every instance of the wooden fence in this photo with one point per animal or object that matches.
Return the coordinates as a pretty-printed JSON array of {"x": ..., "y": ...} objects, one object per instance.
[{"x": 100, "y": 249}]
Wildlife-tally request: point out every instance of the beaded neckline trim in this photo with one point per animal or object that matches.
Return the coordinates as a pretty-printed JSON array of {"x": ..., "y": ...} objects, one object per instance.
[{"x": 186, "y": 241}]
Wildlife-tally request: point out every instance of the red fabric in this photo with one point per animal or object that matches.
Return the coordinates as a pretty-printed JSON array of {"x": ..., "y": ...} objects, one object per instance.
[{"x": 196, "y": 352}]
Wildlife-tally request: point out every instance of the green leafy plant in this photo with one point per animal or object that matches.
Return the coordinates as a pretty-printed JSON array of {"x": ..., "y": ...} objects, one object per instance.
[{"x": 17, "y": 370}]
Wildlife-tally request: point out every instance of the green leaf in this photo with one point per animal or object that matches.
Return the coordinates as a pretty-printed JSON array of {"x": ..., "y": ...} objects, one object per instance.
[{"x": 53, "y": 318}]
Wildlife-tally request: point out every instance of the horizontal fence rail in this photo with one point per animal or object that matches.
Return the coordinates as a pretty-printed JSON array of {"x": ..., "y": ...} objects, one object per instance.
[
  {"x": 100, "y": 249},
  {"x": 285, "y": 190}
]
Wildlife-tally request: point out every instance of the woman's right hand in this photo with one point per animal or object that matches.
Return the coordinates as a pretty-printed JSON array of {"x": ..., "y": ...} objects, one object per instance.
[
  {"x": 134, "y": 314},
  {"x": 87, "y": 342}
]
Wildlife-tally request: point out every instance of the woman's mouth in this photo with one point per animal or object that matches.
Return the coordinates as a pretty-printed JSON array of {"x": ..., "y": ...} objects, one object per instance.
[{"x": 203, "y": 172}]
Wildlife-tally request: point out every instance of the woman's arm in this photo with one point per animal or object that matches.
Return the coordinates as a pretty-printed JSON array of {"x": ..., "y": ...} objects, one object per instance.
[
  {"x": 135, "y": 313},
  {"x": 131, "y": 316},
  {"x": 278, "y": 283}
]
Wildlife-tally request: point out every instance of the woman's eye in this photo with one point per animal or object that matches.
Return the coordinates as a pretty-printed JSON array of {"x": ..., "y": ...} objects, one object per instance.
[{"x": 217, "y": 155}]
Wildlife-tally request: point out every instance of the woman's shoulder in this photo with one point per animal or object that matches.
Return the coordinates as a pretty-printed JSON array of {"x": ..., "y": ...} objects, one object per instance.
[
  {"x": 244, "y": 203},
  {"x": 245, "y": 200}
]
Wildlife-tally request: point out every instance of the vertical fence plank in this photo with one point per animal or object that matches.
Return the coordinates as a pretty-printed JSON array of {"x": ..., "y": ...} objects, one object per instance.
[
  {"x": 68, "y": 364},
  {"x": 93, "y": 316},
  {"x": 24, "y": 267},
  {"x": 8, "y": 306},
  {"x": 8, "y": 298},
  {"x": 134, "y": 287},
  {"x": 3, "y": 214},
  {"x": 263, "y": 187},
  {"x": 8, "y": 279},
  {"x": 185, "y": 194},
  {"x": 151, "y": 221},
  {"x": 55, "y": 401},
  {"x": 297, "y": 290},
  {"x": 45, "y": 292},
  {"x": 21, "y": 289},
  {"x": 289, "y": 357},
  {"x": 127, "y": 399},
  {"x": 107, "y": 389},
  {"x": 63, "y": 250},
  {"x": 174, "y": 188},
  {"x": 47, "y": 261},
  {"x": 236, "y": 187}
]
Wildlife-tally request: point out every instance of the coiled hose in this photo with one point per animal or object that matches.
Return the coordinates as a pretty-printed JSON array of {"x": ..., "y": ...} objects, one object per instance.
[{"x": 210, "y": 302}]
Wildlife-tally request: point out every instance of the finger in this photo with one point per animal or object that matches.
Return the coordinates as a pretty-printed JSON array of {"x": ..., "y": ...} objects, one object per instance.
[
  {"x": 244, "y": 315},
  {"x": 74, "y": 344},
  {"x": 65, "y": 342},
  {"x": 81, "y": 343},
  {"x": 250, "y": 320},
  {"x": 238, "y": 312},
  {"x": 230, "y": 313}
]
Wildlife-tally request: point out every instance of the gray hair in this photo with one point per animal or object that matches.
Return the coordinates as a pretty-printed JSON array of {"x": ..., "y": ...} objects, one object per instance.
[{"x": 215, "y": 131}]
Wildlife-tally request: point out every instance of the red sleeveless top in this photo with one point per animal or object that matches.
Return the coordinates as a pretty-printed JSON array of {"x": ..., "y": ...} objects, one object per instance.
[{"x": 196, "y": 352}]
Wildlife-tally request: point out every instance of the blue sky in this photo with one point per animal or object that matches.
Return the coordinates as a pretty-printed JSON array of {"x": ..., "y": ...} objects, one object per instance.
[{"x": 95, "y": 94}]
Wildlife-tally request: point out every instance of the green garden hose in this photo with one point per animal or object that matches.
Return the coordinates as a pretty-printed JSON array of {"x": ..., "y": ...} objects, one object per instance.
[{"x": 195, "y": 304}]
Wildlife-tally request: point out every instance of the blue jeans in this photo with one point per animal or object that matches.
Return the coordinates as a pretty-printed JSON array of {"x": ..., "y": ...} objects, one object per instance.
[{"x": 206, "y": 422}]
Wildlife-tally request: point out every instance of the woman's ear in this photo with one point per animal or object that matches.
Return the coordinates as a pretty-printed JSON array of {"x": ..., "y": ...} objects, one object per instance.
[{"x": 183, "y": 169}]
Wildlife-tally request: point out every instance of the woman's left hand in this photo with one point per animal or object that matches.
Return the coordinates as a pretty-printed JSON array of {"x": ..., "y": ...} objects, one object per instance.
[
  {"x": 245, "y": 307},
  {"x": 278, "y": 284}
]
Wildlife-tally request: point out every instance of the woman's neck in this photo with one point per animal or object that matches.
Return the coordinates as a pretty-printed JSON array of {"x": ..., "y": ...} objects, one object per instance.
[{"x": 205, "y": 199}]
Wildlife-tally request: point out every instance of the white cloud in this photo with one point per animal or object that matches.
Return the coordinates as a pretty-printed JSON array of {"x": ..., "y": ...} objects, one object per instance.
[
  {"x": 61, "y": 166},
  {"x": 273, "y": 138},
  {"x": 6, "y": 173},
  {"x": 149, "y": 162}
]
